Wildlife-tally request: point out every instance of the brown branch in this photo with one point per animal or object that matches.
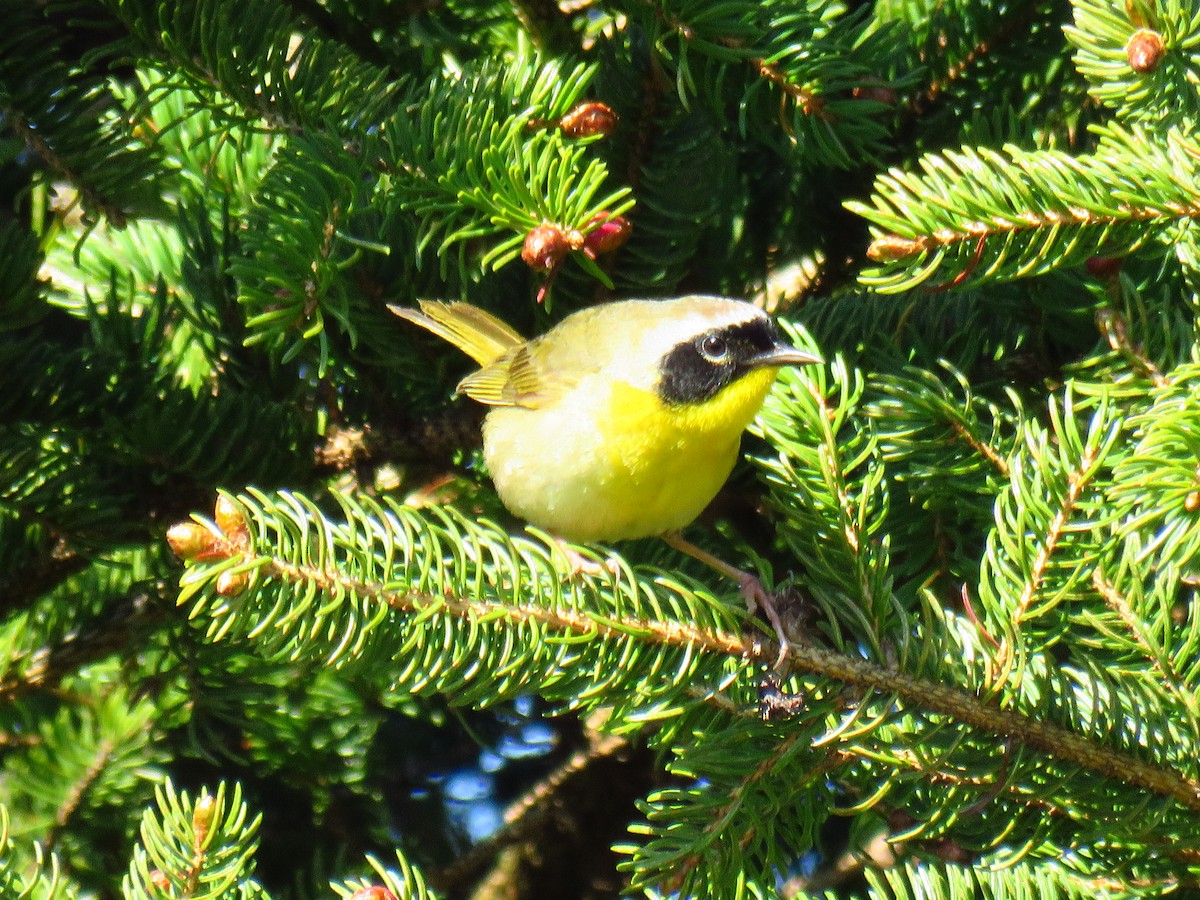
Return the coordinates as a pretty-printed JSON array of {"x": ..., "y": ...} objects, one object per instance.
[
  {"x": 982, "y": 447},
  {"x": 810, "y": 103},
  {"x": 75, "y": 798},
  {"x": 1171, "y": 681},
  {"x": 920, "y": 693},
  {"x": 894, "y": 248},
  {"x": 1113, "y": 326},
  {"x": 524, "y": 816},
  {"x": 37, "y": 143}
]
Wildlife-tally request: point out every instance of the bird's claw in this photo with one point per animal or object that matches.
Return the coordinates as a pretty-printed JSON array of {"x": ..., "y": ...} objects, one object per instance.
[{"x": 756, "y": 598}]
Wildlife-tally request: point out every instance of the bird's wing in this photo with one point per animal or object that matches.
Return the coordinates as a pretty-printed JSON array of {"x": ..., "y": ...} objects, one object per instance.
[
  {"x": 476, "y": 333},
  {"x": 514, "y": 379},
  {"x": 514, "y": 373}
]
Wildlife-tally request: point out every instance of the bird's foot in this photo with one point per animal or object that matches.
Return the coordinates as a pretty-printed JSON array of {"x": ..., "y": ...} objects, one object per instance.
[
  {"x": 749, "y": 587},
  {"x": 757, "y": 598}
]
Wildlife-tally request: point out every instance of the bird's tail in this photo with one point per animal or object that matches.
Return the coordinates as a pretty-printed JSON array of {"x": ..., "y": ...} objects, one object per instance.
[{"x": 476, "y": 333}]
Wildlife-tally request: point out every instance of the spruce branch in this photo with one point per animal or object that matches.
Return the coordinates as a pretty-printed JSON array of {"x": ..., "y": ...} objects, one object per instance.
[
  {"x": 67, "y": 116},
  {"x": 27, "y": 879},
  {"x": 922, "y": 880},
  {"x": 981, "y": 215},
  {"x": 334, "y": 608},
  {"x": 947, "y": 452},
  {"x": 1023, "y": 582},
  {"x": 253, "y": 64},
  {"x": 1144, "y": 634},
  {"x": 827, "y": 481},
  {"x": 1115, "y": 329},
  {"x": 1139, "y": 59},
  {"x": 300, "y": 244},
  {"x": 20, "y": 259},
  {"x": 1154, "y": 483},
  {"x": 661, "y": 148},
  {"x": 196, "y": 849},
  {"x": 86, "y": 757},
  {"x": 404, "y": 882},
  {"x": 39, "y": 654},
  {"x": 752, "y": 769},
  {"x": 955, "y": 39},
  {"x": 517, "y": 175},
  {"x": 818, "y": 76}
]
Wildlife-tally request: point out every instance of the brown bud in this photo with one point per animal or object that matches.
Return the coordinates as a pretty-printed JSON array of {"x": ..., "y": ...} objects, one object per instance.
[
  {"x": 588, "y": 120},
  {"x": 159, "y": 879},
  {"x": 1145, "y": 51},
  {"x": 881, "y": 93},
  {"x": 374, "y": 892},
  {"x": 892, "y": 247},
  {"x": 545, "y": 247},
  {"x": 231, "y": 584},
  {"x": 232, "y": 522},
  {"x": 1103, "y": 267},
  {"x": 1192, "y": 501},
  {"x": 608, "y": 235},
  {"x": 191, "y": 541}
]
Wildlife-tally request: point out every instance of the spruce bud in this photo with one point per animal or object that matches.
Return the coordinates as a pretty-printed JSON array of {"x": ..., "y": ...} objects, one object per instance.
[
  {"x": 1102, "y": 268},
  {"x": 589, "y": 120},
  {"x": 608, "y": 235},
  {"x": 892, "y": 248},
  {"x": 374, "y": 892},
  {"x": 231, "y": 584},
  {"x": 191, "y": 541},
  {"x": 202, "y": 819},
  {"x": 232, "y": 522},
  {"x": 1145, "y": 51},
  {"x": 545, "y": 247}
]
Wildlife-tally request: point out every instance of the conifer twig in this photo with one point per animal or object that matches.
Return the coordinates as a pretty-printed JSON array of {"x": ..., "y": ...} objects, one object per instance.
[{"x": 921, "y": 693}]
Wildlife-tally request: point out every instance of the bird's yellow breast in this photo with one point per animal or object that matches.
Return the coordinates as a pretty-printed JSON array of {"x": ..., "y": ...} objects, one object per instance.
[{"x": 611, "y": 461}]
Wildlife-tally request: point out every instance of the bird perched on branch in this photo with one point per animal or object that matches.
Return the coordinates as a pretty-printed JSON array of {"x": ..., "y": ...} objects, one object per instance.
[{"x": 624, "y": 420}]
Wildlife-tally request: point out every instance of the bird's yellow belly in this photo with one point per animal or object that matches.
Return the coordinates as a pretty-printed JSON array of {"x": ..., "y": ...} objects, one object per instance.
[{"x": 645, "y": 471}]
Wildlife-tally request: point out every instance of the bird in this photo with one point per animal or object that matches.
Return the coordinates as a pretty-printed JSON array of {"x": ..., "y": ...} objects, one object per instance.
[{"x": 624, "y": 420}]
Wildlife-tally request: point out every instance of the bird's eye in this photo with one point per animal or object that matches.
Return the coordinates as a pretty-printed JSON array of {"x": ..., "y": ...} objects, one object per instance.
[{"x": 714, "y": 348}]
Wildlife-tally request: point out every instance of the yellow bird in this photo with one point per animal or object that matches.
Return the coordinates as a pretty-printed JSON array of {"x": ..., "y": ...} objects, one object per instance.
[{"x": 624, "y": 420}]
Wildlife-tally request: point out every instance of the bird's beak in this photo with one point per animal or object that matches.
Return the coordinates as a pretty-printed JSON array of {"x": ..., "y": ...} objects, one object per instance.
[{"x": 785, "y": 355}]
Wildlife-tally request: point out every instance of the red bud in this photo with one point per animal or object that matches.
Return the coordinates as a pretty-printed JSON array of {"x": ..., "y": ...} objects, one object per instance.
[
  {"x": 1103, "y": 267},
  {"x": 374, "y": 892},
  {"x": 607, "y": 236}
]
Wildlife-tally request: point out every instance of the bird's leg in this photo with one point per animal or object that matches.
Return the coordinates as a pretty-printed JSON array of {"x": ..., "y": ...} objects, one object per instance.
[{"x": 749, "y": 586}]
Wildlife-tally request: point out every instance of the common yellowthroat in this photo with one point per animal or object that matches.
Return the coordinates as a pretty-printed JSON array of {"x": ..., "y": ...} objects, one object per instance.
[{"x": 624, "y": 420}]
